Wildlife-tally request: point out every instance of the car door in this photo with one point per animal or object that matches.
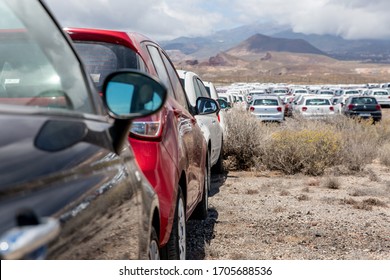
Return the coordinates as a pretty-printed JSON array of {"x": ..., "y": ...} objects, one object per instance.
[
  {"x": 65, "y": 192},
  {"x": 211, "y": 122},
  {"x": 190, "y": 157}
]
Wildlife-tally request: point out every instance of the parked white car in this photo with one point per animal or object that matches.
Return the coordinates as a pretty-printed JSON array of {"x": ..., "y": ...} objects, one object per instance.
[
  {"x": 325, "y": 93},
  {"x": 214, "y": 95},
  {"x": 208, "y": 122},
  {"x": 381, "y": 95},
  {"x": 314, "y": 107},
  {"x": 267, "y": 108},
  {"x": 211, "y": 90}
]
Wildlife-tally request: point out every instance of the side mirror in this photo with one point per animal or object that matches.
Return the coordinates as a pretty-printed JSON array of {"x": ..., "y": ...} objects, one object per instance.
[
  {"x": 223, "y": 104},
  {"x": 206, "y": 106},
  {"x": 130, "y": 94}
]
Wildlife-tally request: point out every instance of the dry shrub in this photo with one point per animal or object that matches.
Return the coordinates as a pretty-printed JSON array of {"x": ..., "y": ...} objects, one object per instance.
[
  {"x": 331, "y": 183},
  {"x": 366, "y": 204},
  {"x": 360, "y": 139},
  {"x": 374, "y": 202},
  {"x": 244, "y": 135},
  {"x": 251, "y": 192},
  {"x": 302, "y": 146},
  {"x": 284, "y": 193},
  {"x": 302, "y": 197},
  {"x": 384, "y": 155},
  {"x": 373, "y": 176},
  {"x": 359, "y": 192},
  {"x": 279, "y": 209},
  {"x": 309, "y": 151}
]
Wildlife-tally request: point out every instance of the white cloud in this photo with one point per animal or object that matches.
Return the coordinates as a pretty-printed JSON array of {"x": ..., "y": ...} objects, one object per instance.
[
  {"x": 167, "y": 19},
  {"x": 162, "y": 19},
  {"x": 353, "y": 19}
]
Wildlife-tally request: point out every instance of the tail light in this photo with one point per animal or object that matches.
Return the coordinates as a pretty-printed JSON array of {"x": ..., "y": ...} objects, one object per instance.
[
  {"x": 378, "y": 107},
  {"x": 331, "y": 108},
  {"x": 252, "y": 108},
  {"x": 279, "y": 109},
  {"x": 304, "y": 109},
  {"x": 350, "y": 106},
  {"x": 148, "y": 128},
  {"x": 219, "y": 118}
]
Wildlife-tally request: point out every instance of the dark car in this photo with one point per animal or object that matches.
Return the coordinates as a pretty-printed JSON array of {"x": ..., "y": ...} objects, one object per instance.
[
  {"x": 70, "y": 187},
  {"x": 363, "y": 107},
  {"x": 169, "y": 146}
]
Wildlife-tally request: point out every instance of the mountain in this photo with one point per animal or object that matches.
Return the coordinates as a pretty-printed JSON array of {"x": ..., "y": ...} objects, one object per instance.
[
  {"x": 335, "y": 46},
  {"x": 260, "y": 43}
]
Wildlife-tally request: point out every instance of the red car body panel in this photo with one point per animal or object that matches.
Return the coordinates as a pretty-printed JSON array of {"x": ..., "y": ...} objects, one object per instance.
[{"x": 180, "y": 149}]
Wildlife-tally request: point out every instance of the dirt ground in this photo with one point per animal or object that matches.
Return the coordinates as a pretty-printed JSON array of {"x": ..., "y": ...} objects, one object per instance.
[{"x": 270, "y": 216}]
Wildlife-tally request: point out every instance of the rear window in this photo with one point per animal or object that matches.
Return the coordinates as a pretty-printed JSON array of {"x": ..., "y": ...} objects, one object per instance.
[
  {"x": 381, "y": 93},
  {"x": 365, "y": 100},
  {"x": 352, "y": 92},
  {"x": 101, "y": 59},
  {"x": 318, "y": 102},
  {"x": 266, "y": 102}
]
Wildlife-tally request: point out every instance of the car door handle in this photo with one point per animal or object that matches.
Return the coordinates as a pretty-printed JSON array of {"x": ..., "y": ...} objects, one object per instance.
[{"x": 22, "y": 240}]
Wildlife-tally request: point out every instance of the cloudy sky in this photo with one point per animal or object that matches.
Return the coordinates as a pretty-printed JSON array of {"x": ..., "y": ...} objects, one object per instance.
[{"x": 168, "y": 19}]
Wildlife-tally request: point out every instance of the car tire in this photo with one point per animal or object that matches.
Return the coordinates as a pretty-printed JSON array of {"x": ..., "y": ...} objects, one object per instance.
[
  {"x": 153, "y": 250},
  {"x": 201, "y": 210},
  {"x": 176, "y": 246}
]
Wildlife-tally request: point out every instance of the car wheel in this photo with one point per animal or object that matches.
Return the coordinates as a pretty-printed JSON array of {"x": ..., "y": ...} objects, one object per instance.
[
  {"x": 176, "y": 246},
  {"x": 154, "y": 253},
  {"x": 201, "y": 210},
  {"x": 218, "y": 167}
]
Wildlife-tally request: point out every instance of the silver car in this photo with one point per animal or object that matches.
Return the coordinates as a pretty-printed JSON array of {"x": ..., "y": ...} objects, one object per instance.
[{"x": 267, "y": 108}]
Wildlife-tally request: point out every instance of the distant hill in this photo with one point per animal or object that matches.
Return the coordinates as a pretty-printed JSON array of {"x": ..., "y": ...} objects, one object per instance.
[
  {"x": 204, "y": 47},
  {"x": 260, "y": 43}
]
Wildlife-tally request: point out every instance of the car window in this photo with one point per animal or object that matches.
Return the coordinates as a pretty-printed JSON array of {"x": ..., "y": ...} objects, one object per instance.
[
  {"x": 318, "y": 102},
  {"x": 101, "y": 59},
  {"x": 31, "y": 71},
  {"x": 160, "y": 68},
  {"x": 381, "y": 93},
  {"x": 266, "y": 102},
  {"x": 352, "y": 92},
  {"x": 177, "y": 85},
  {"x": 364, "y": 101}
]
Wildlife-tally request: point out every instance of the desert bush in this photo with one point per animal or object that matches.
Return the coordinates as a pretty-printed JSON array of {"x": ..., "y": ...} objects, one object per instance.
[
  {"x": 309, "y": 151},
  {"x": 384, "y": 155},
  {"x": 244, "y": 139},
  {"x": 331, "y": 183},
  {"x": 359, "y": 144},
  {"x": 302, "y": 146}
]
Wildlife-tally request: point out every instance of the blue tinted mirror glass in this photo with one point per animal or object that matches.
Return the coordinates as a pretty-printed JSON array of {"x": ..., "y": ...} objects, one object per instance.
[
  {"x": 119, "y": 97},
  {"x": 133, "y": 94}
]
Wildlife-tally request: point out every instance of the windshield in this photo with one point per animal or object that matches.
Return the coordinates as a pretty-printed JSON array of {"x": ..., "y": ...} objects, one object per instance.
[{"x": 37, "y": 66}]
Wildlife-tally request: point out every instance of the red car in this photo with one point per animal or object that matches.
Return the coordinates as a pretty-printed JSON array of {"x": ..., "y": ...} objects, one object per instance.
[{"x": 169, "y": 146}]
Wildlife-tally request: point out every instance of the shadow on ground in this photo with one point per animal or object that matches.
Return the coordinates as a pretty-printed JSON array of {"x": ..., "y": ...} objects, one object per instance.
[{"x": 200, "y": 233}]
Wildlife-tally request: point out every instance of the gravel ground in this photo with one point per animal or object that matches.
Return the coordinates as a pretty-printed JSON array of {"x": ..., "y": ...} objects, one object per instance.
[{"x": 270, "y": 216}]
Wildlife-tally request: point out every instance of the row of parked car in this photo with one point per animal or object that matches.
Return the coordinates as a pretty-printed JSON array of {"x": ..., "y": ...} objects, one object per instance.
[
  {"x": 325, "y": 103},
  {"x": 107, "y": 150}
]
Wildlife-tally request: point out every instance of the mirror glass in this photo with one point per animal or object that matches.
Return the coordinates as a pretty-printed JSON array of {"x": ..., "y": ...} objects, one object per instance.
[{"x": 129, "y": 93}]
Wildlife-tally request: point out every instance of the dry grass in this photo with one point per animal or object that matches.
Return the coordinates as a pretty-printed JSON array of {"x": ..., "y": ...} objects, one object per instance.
[{"x": 304, "y": 146}]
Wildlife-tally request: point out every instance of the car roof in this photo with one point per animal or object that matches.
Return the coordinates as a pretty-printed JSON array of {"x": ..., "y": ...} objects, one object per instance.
[{"x": 128, "y": 39}]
